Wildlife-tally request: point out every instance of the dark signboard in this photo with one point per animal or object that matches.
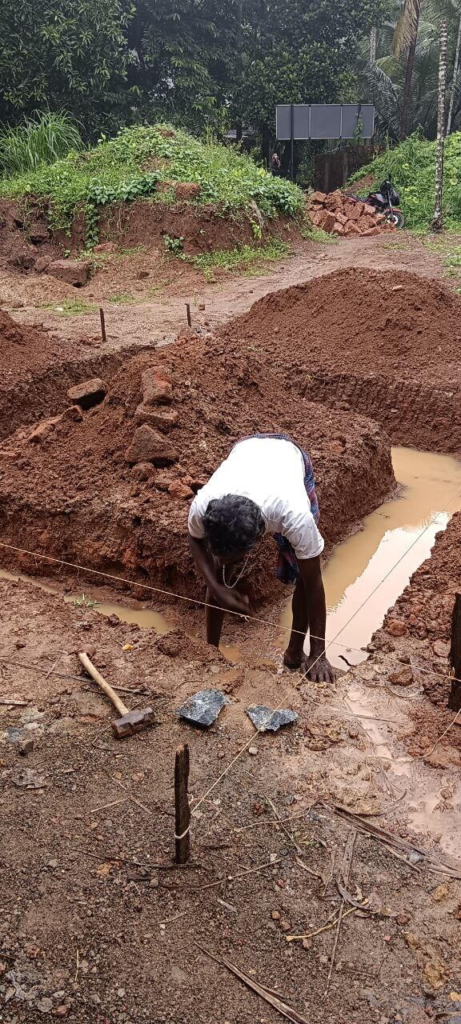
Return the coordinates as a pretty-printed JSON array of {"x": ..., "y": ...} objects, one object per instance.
[{"x": 325, "y": 121}]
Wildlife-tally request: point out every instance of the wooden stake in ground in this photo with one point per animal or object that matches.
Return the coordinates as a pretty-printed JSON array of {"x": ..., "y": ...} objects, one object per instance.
[
  {"x": 454, "y": 700},
  {"x": 103, "y": 324},
  {"x": 181, "y": 801},
  {"x": 189, "y": 318}
]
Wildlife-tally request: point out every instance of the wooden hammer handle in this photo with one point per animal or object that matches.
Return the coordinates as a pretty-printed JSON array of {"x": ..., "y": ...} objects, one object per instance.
[{"x": 99, "y": 679}]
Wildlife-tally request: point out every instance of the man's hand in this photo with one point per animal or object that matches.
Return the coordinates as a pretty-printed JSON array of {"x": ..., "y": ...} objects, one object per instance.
[
  {"x": 317, "y": 668},
  {"x": 231, "y": 600}
]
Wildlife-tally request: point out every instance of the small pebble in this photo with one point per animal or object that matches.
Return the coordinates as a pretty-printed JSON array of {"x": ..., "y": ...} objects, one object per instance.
[
  {"x": 275, "y": 915},
  {"x": 285, "y": 926},
  {"x": 253, "y": 751},
  {"x": 307, "y": 943},
  {"x": 121, "y": 992}
]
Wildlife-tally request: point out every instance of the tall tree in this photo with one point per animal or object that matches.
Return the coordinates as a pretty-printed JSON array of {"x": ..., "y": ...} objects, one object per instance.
[
  {"x": 184, "y": 57},
  {"x": 437, "y": 220},
  {"x": 62, "y": 53},
  {"x": 296, "y": 51},
  {"x": 454, "y": 82},
  {"x": 386, "y": 81},
  {"x": 406, "y": 38}
]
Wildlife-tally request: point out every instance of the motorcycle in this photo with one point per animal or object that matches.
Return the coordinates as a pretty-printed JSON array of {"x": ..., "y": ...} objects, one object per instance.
[{"x": 387, "y": 201}]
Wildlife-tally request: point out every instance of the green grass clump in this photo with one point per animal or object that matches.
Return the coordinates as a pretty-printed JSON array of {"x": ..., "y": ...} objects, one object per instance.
[
  {"x": 70, "y": 307},
  {"x": 133, "y": 163},
  {"x": 37, "y": 140},
  {"x": 242, "y": 259},
  {"x": 313, "y": 234},
  {"x": 121, "y": 298},
  {"x": 412, "y": 166}
]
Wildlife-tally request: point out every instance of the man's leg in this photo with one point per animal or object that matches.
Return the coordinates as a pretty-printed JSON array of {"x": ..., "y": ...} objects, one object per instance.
[
  {"x": 295, "y": 651},
  {"x": 214, "y": 620}
]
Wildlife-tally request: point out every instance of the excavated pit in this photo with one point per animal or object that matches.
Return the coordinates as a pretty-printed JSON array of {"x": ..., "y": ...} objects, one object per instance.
[
  {"x": 385, "y": 345},
  {"x": 37, "y": 368},
  {"x": 77, "y": 487}
]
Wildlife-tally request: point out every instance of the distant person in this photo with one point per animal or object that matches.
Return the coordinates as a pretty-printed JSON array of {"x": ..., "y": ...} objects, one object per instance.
[
  {"x": 275, "y": 164},
  {"x": 266, "y": 485}
]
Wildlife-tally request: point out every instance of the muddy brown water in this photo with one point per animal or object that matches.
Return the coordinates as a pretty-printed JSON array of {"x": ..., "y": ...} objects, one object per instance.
[{"x": 366, "y": 573}]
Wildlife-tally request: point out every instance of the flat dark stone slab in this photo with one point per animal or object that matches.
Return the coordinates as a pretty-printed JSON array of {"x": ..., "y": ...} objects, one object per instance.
[
  {"x": 203, "y": 707},
  {"x": 268, "y": 720}
]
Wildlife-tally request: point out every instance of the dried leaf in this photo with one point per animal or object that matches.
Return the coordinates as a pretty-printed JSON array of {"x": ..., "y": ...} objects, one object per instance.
[
  {"x": 434, "y": 974},
  {"x": 440, "y": 893},
  {"x": 104, "y": 869}
]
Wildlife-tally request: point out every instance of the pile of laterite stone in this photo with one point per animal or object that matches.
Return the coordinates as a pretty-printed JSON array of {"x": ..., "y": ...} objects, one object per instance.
[{"x": 339, "y": 214}]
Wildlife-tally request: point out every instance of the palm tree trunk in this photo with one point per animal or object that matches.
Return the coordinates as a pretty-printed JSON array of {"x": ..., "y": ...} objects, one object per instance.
[
  {"x": 414, "y": 15},
  {"x": 437, "y": 220},
  {"x": 455, "y": 76},
  {"x": 373, "y": 34}
]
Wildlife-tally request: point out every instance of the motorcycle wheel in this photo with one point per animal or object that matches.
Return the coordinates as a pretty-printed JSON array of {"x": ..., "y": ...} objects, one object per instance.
[{"x": 396, "y": 218}]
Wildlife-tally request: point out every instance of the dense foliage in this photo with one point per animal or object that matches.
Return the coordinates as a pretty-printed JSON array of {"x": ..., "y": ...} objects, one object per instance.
[
  {"x": 63, "y": 54},
  {"x": 412, "y": 165},
  {"x": 134, "y": 163},
  {"x": 194, "y": 62}
]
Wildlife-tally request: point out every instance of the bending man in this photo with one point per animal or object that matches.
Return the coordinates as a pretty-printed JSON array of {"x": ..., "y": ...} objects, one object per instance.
[{"x": 266, "y": 485}]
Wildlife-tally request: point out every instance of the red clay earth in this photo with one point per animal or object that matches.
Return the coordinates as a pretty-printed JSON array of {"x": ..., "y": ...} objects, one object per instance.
[
  {"x": 92, "y": 931},
  {"x": 386, "y": 343},
  {"x": 90, "y": 487},
  {"x": 36, "y": 368},
  {"x": 201, "y": 228},
  {"x": 28, "y": 245},
  {"x": 390, "y": 323},
  {"x": 423, "y": 613}
]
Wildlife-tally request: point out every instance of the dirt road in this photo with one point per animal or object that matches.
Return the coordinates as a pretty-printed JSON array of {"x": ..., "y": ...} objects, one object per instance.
[{"x": 144, "y": 317}]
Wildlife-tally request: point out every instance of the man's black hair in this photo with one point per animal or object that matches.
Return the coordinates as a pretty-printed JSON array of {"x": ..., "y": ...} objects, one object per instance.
[{"x": 232, "y": 524}]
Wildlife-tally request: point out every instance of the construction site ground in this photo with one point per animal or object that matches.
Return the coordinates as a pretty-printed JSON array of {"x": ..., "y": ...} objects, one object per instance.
[{"x": 350, "y": 907}]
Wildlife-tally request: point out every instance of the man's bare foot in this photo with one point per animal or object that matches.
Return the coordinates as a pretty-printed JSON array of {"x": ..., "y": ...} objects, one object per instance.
[{"x": 315, "y": 667}]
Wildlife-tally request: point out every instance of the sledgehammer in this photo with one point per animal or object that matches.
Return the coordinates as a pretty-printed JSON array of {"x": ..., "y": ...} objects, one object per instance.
[{"x": 131, "y": 721}]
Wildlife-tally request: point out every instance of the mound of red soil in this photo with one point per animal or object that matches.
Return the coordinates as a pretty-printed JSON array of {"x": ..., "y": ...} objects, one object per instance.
[
  {"x": 358, "y": 321},
  {"x": 23, "y": 349},
  {"x": 70, "y": 488}
]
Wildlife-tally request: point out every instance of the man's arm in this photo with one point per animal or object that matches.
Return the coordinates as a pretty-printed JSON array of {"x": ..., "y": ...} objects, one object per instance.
[
  {"x": 231, "y": 600},
  {"x": 318, "y": 667}
]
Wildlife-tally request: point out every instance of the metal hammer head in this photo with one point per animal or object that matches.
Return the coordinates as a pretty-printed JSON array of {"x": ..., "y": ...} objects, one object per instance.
[{"x": 133, "y": 722}]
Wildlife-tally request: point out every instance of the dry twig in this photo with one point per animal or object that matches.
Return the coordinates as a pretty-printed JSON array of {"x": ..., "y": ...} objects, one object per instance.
[
  {"x": 325, "y": 928},
  {"x": 233, "y": 878},
  {"x": 265, "y": 993},
  {"x": 344, "y": 873}
]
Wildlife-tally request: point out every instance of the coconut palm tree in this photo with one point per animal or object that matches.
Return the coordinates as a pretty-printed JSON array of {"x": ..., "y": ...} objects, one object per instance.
[
  {"x": 405, "y": 40},
  {"x": 455, "y": 80},
  {"x": 387, "y": 78}
]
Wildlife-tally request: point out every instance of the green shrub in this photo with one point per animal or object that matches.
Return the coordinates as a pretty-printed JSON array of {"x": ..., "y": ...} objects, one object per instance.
[
  {"x": 412, "y": 166},
  {"x": 131, "y": 165},
  {"x": 41, "y": 139}
]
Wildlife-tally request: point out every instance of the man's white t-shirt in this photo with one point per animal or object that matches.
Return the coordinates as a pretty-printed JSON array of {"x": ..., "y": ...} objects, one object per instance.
[{"x": 270, "y": 471}]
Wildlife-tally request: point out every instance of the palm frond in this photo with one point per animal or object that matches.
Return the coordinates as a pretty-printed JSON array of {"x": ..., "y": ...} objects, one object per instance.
[{"x": 407, "y": 26}]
